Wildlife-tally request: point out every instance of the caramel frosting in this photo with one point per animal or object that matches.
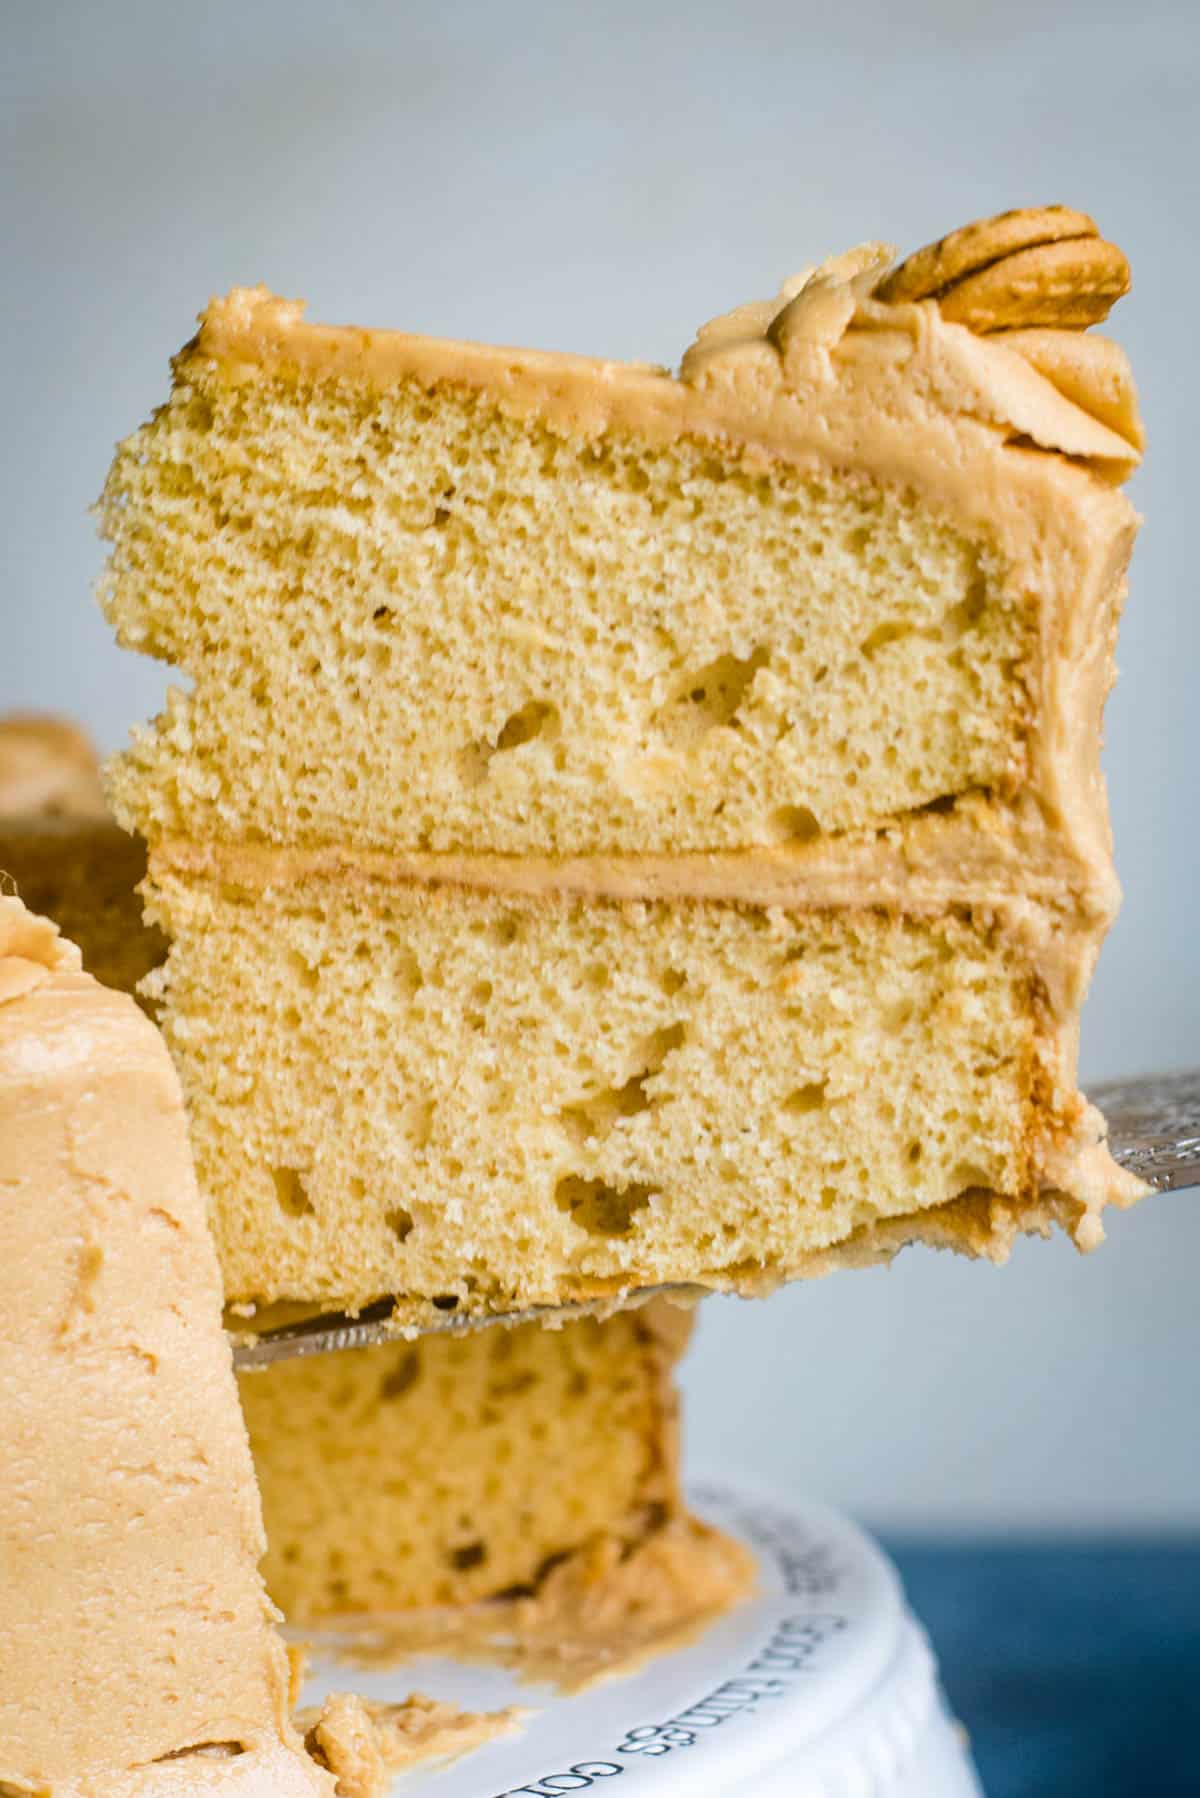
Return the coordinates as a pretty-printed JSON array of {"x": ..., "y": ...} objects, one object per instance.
[
  {"x": 1000, "y": 862},
  {"x": 218, "y": 1772},
  {"x": 599, "y": 1613},
  {"x": 31, "y": 950},
  {"x": 755, "y": 374},
  {"x": 365, "y": 1745},
  {"x": 139, "y": 1654},
  {"x": 1092, "y": 372},
  {"x": 48, "y": 765}
]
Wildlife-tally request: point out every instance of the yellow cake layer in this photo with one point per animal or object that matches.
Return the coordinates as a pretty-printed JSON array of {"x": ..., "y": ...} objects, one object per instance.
[
  {"x": 448, "y": 1471},
  {"x": 514, "y": 1099},
  {"x": 437, "y": 597},
  {"x": 416, "y": 621}
]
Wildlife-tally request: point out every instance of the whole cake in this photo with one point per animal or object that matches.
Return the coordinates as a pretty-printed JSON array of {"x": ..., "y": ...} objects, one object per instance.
[
  {"x": 509, "y": 1491},
  {"x": 629, "y": 828},
  {"x": 139, "y": 1656},
  {"x": 138, "y": 1653}
]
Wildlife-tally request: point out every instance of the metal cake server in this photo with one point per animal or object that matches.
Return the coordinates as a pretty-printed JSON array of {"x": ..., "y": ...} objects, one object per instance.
[{"x": 1153, "y": 1130}]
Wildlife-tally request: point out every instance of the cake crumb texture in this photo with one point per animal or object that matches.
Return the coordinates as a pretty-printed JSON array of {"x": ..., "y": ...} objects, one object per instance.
[
  {"x": 494, "y": 1101},
  {"x": 515, "y": 1498},
  {"x": 470, "y": 1463}
]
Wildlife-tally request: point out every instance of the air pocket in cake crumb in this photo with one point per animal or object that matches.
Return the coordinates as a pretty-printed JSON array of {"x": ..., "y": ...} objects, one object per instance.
[
  {"x": 469, "y": 1555},
  {"x": 305, "y": 972},
  {"x": 291, "y": 1194},
  {"x": 402, "y": 1375},
  {"x": 536, "y": 719},
  {"x": 600, "y": 1208},
  {"x": 967, "y": 1176},
  {"x": 594, "y": 1116},
  {"x": 711, "y": 697},
  {"x": 806, "y": 1098},
  {"x": 968, "y": 613},
  {"x": 794, "y": 824},
  {"x": 882, "y": 635},
  {"x": 417, "y": 1120},
  {"x": 407, "y": 977}
]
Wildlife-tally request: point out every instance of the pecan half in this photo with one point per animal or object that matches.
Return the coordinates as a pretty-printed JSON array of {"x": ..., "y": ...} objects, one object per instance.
[{"x": 1042, "y": 266}]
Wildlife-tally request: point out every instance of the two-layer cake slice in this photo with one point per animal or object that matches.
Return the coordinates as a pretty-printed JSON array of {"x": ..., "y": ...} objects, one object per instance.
[{"x": 627, "y": 828}]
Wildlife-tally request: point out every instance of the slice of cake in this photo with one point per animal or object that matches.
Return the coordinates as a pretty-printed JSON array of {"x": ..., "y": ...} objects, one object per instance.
[
  {"x": 507, "y": 1492},
  {"x": 138, "y": 1652},
  {"x": 628, "y": 828},
  {"x": 68, "y": 859}
]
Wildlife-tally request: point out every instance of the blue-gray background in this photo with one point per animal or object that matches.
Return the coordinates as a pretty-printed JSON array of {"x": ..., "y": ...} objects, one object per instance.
[{"x": 601, "y": 178}]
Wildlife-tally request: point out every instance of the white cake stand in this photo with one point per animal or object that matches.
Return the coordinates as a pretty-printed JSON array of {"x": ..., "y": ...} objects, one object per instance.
[{"x": 822, "y": 1686}]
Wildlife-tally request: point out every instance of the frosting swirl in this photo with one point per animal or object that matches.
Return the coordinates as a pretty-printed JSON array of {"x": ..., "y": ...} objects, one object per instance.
[{"x": 1024, "y": 285}]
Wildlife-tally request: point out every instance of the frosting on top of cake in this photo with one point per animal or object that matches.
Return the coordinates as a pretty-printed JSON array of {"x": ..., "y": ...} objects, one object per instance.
[
  {"x": 31, "y": 950},
  {"x": 832, "y": 328}
]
